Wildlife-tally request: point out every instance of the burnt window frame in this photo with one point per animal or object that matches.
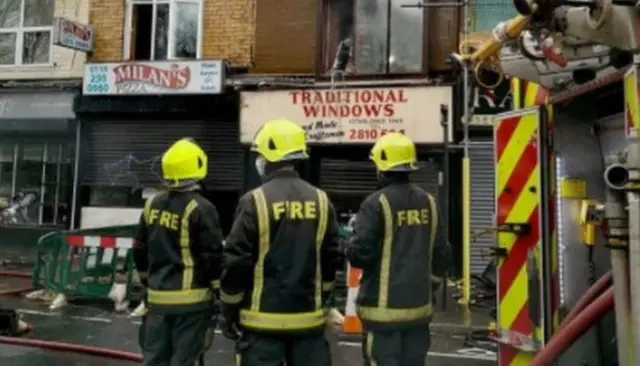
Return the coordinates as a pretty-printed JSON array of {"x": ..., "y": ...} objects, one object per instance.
[{"x": 326, "y": 54}]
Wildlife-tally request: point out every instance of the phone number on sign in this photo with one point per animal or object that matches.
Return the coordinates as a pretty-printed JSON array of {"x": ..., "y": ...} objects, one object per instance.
[{"x": 369, "y": 133}]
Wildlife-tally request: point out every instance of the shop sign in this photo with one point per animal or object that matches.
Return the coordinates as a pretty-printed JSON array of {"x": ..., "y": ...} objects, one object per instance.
[
  {"x": 148, "y": 78},
  {"x": 341, "y": 115},
  {"x": 30, "y": 106},
  {"x": 489, "y": 102},
  {"x": 74, "y": 35}
]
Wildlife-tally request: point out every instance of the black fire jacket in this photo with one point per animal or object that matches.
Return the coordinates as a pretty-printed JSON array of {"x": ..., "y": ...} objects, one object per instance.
[
  {"x": 280, "y": 256},
  {"x": 397, "y": 245},
  {"x": 178, "y": 251}
]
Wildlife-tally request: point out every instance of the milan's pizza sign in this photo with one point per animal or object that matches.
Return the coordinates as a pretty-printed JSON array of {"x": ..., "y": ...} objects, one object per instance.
[
  {"x": 350, "y": 115},
  {"x": 131, "y": 78}
]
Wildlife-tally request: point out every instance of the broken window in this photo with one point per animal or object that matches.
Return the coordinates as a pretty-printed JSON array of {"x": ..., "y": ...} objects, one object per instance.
[
  {"x": 372, "y": 37},
  {"x": 164, "y": 29}
]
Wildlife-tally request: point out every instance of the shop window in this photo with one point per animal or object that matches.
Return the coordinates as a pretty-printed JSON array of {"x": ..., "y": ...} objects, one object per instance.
[
  {"x": 36, "y": 182},
  {"x": 25, "y": 32},
  {"x": 163, "y": 29},
  {"x": 372, "y": 37}
]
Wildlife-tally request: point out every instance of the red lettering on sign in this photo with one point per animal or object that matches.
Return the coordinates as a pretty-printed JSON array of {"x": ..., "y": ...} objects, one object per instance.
[
  {"x": 369, "y": 133},
  {"x": 81, "y": 32},
  {"x": 360, "y": 103},
  {"x": 172, "y": 78}
]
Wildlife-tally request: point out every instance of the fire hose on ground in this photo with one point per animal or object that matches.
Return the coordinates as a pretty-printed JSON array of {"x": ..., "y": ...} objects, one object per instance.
[{"x": 70, "y": 347}]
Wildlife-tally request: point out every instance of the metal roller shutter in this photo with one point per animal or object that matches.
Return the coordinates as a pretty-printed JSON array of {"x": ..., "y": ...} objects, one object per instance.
[
  {"x": 482, "y": 201},
  {"x": 127, "y": 153},
  {"x": 356, "y": 177}
]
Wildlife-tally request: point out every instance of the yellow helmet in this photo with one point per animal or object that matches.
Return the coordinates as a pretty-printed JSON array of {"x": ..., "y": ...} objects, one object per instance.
[
  {"x": 280, "y": 140},
  {"x": 394, "y": 152},
  {"x": 184, "y": 163}
]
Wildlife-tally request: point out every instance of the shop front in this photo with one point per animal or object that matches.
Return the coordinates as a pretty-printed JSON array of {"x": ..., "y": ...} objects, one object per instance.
[
  {"x": 131, "y": 113},
  {"x": 486, "y": 105},
  {"x": 343, "y": 123},
  {"x": 37, "y": 155}
]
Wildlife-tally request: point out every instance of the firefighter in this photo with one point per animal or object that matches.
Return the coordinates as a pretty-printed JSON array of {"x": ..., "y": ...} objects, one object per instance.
[
  {"x": 280, "y": 259},
  {"x": 395, "y": 241},
  {"x": 178, "y": 255}
]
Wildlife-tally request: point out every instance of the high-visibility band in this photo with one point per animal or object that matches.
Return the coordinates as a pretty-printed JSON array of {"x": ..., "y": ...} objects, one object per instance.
[
  {"x": 385, "y": 260},
  {"x": 179, "y": 297},
  {"x": 282, "y": 321},
  {"x": 142, "y": 275},
  {"x": 185, "y": 245},
  {"x": 231, "y": 299},
  {"x": 387, "y": 315},
  {"x": 327, "y": 286},
  {"x": 436, "y": 279},
  {"x": 320, "y": 233},
  {"x": 215, "y": 284},
  {"x": 264, "y": 242}
]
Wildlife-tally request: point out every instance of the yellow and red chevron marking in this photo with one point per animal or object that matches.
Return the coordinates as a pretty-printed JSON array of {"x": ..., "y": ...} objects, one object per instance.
[
  {"x": 517, "y": 201},
  {"x": 517, "y": 172},
  {"x": 631, "y": 100}
]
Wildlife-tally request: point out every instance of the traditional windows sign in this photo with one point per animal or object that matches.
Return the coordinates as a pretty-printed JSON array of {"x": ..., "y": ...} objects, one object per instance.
[{"x": 358, "y": 115}]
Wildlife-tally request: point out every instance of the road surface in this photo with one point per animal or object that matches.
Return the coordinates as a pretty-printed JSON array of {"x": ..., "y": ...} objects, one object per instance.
[{"x": 92, "y": 325}]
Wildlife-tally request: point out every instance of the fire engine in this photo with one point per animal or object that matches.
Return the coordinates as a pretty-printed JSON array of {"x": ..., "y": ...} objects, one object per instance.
[{"x": 561, "y": 188}]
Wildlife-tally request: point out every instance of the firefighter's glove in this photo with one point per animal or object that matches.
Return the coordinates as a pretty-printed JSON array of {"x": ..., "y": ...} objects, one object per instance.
[{"x": 230, "y": 323}]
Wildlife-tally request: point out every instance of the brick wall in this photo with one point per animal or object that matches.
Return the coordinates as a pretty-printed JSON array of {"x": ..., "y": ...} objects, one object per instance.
[
  {"x": 66, "y": 63},
  {"x": 107, "y": 16},
  {"x": 228, "y": 30},
  {"x": 267, "y": 36}
]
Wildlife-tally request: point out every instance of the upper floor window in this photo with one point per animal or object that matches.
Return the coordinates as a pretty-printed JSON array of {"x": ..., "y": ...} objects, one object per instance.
[
  {"x": 25, "y": 31},
  {"x": 372, "y": 37},
  {"x": 163, "y": 29},
  {"x": 486, "y": 14}
]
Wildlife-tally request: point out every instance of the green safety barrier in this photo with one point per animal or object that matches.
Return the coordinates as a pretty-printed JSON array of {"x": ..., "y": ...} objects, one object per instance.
[{"x": 85, "y": 271}]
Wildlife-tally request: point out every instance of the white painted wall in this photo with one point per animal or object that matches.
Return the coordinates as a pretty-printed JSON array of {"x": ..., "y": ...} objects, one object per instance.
[
  {"x": 66, "y": 63},
  {"x": 94, "y": 217}
]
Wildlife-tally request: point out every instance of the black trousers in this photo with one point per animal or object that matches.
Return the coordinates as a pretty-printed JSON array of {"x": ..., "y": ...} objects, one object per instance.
[
  {"x": 406, "y": 347},
  {"x": 175, "y": 340},
  {"x": 262, "y": 349}
]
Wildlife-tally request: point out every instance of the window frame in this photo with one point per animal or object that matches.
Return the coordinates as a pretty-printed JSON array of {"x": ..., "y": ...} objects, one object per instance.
[
  {"x": 323, "y": 59},
  {"x": 19, "y": 43},
  {"x": 61, "y": 158},
  {"x": 128, "y": 28}
]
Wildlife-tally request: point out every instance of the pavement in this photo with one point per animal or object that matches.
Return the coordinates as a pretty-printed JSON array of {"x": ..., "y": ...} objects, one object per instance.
[{"x": 93, "y": 323}]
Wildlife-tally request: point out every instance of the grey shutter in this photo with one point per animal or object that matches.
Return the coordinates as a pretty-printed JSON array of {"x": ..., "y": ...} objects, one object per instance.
[
  {"x": 127, "y": 153},
  {"x": 482, "y": 201},
  {"x": 346, "y": 177}
]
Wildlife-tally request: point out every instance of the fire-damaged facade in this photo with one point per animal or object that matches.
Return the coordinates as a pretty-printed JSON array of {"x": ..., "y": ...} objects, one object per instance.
[{"x": 144, "y": 87}]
